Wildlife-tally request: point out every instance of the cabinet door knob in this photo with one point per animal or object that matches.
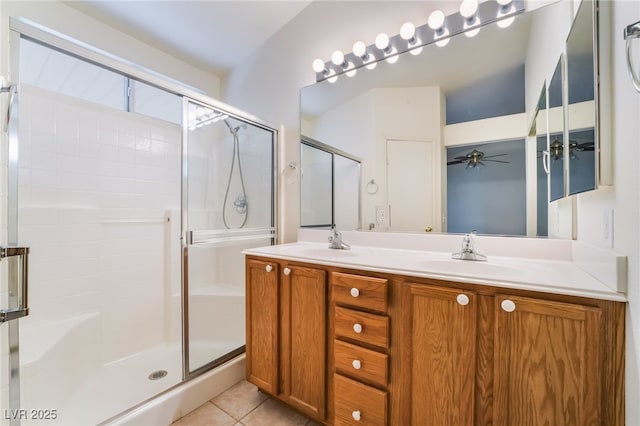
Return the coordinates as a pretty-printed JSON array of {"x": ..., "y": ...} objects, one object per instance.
[
  {"x": 355, "y": 292},
  {"x": 356, "y": 364},
  {"x": 269, "y": 268},
  {"x": 357, "y": 328},
  {"x": 508, "y": 305},
  {"x": 356, "y": 415},
  {"x": 462, "y": 299},
  {"x": 287, "y": 271}
]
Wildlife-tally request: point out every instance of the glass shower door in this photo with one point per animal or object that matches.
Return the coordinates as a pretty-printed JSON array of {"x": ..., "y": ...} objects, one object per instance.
[{"x": 228, "y": 206}]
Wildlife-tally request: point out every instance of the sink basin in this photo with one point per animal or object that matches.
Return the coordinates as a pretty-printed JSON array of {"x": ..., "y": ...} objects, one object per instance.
[
  {"x": 468, "y": 267},
  {"x": 327, "y": 253}
]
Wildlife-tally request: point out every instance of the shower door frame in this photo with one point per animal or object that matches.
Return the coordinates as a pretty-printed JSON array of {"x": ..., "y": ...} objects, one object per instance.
[
  {"x": 21, "y": 27},
  {"x": 186, "y": 238}
]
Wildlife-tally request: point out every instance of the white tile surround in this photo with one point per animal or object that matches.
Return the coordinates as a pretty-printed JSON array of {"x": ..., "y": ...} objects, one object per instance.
[
  {"x": 550, "y": 265},
  {"x": 99, "y": 199}
]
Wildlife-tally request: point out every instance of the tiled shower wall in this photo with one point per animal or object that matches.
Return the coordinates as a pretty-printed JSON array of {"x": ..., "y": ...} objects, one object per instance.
[{"x": 99, "y": 196}]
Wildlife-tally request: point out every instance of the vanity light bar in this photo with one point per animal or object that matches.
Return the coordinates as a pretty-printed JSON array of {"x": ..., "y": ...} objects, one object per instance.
[{"x": 389, "y": 48}]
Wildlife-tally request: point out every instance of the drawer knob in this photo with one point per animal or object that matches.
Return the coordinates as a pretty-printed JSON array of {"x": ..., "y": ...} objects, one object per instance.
[
  {"x": 355, "y": 292},
  {"x": 287, "y": 271},
  {"x": 356, "y": 364},
  {"x": 357, "y": 328},
  {"x": 508, "y": 305},
  {"x": 269, "y": 268},
  {"x": 356, "y": 415},
  {"x": 462, "y": 299}
]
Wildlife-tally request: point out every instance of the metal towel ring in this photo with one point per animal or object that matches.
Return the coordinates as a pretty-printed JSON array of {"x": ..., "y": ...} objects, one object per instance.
[
  {"x": 372, "y": 187},
  {"x": 631, "y": 32}
]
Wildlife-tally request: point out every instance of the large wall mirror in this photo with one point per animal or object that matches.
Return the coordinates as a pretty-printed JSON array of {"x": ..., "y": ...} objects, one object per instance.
[{"x": 446, "y": 134}]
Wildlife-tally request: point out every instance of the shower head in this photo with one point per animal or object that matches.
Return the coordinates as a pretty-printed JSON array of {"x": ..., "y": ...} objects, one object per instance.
[{"x": 234, "y": 130}]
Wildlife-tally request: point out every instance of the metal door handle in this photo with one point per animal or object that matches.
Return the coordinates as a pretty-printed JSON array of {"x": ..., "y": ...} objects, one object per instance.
[
  {"x": 22, "y": 310},
  {"x": 6, "y": 87}
]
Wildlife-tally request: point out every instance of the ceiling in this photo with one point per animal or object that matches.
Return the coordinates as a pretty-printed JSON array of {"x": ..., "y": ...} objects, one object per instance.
[{"x": 211, "y": 34}]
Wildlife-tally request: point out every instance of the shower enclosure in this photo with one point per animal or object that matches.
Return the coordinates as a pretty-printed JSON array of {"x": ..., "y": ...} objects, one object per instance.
[{"x": 136, "y": 197}]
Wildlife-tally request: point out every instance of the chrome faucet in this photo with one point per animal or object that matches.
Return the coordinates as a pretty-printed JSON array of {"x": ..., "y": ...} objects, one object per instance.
[
  {"x": 335, "y": 240},
  {"x": 467, "y": 251}
]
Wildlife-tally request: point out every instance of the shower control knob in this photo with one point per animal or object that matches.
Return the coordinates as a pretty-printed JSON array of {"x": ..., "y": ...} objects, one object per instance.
[
  {"x": 287, "y": 271},
  {"x": 269, "y": 268},
  {"x": 357, "y": 328},
  {"x": 356, "y": 364},
  {"x": 356, "y": 415},
  {"x": 355, "y": 292}
]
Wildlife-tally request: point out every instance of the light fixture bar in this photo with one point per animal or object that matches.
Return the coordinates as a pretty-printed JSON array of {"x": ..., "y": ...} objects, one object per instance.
[{"x": 488, "y": 12}]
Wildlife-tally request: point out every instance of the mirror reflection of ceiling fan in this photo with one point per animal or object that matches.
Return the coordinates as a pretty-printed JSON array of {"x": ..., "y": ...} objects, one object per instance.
[
  {"x": 556, "y": 147},
  {"x": 475, "y": 159}
]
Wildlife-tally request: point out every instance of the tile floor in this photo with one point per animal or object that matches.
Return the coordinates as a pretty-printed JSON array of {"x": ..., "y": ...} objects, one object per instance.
[{"x": 244, "y": 405}]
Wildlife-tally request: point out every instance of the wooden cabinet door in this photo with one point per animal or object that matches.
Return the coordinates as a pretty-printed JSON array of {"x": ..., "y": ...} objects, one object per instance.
[
  {"x": 262, "y": 324},
  {"x": 439, "y": 353},
  {"x": 304, "y": 339},
  {"x": 547, "y": 363}
]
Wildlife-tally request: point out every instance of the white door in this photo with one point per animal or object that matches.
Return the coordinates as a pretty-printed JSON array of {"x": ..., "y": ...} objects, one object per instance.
[{"x": 410, "y": 185}]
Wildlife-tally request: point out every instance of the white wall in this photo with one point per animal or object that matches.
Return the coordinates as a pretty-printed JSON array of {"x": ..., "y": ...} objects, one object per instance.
[{"x": 362, "y": 126}]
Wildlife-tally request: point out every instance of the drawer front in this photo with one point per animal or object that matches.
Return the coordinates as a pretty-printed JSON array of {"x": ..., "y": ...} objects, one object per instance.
[
  {"x": 361, "y": 326},
  {"x": 360, "y": 291},
  {"x": 361, "y": 363},
  {"x": 358, "y": 404}
]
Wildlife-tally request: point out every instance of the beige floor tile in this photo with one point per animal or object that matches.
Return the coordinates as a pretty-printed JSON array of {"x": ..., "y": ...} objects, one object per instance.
[
  {"x": 274, "y": 413},
  {"x": 239, "y": 400},
  {"x": 206, "y": 415}
]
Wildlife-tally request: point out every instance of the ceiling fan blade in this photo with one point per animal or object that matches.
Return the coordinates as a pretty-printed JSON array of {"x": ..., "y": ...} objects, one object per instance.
[
  {"x": 497, "y": 161},
  {"x": 491, "y": 156},
  {"x": 449, "y": 163}
]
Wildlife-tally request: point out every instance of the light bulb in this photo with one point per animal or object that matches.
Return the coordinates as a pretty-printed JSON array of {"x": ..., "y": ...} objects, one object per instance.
[
  {"x": 504, "y": 23},
  {"x": 468, "y": 8},
  {"x": 475, "y": 23},
  {"x": 337, "y": 57},
  {"x": 445, "y": 39},
  {"x": 351, "y": 72},
  {"x": 416, "y": 51},
  {"x": 393, "y": 59},
  {"x": 359, "y": 49},
  {"x": 407, "y": 31},
  {"x": 318, "y": 65},
  {"x": 332, "y": 76},
  {"x": 382, "y": 41},
  {"x": 371, "y": 63},
  {"x": 436, "y": 20}
]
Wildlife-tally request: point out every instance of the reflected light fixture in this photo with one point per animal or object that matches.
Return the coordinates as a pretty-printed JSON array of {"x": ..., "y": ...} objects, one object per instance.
[
  {"x": 506, "y": 8},
  {"x": 360, "y": 50},
  {"x": 384, "y": 43},
  {"x": 408, "y": 33},
  {"x": 438, "y": 30},
  {"x": 437, "y": 23},
  {"x": 469, "y": 11},
  {"x": 338, "y": 59}
]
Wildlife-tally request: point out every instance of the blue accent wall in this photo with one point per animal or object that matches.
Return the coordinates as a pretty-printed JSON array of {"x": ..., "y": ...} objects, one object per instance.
[
  {"x": 498, "y": 95},
  {"x": 490, "y": 199}
]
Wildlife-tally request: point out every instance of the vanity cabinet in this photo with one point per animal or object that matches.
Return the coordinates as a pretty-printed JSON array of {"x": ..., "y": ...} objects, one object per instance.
[
  {"x": 439, "y": 331},
  {"x": 361, "y": 346},
  {"x": 286, "y": 333},
  {"x": 505, "y": 359},
  {"x": 547, "y": 362},
  {"x": 352, "y": 347}
]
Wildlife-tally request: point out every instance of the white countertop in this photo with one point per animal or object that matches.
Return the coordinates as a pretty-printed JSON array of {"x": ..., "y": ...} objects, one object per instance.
[{"x": 549, "y": 276}]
